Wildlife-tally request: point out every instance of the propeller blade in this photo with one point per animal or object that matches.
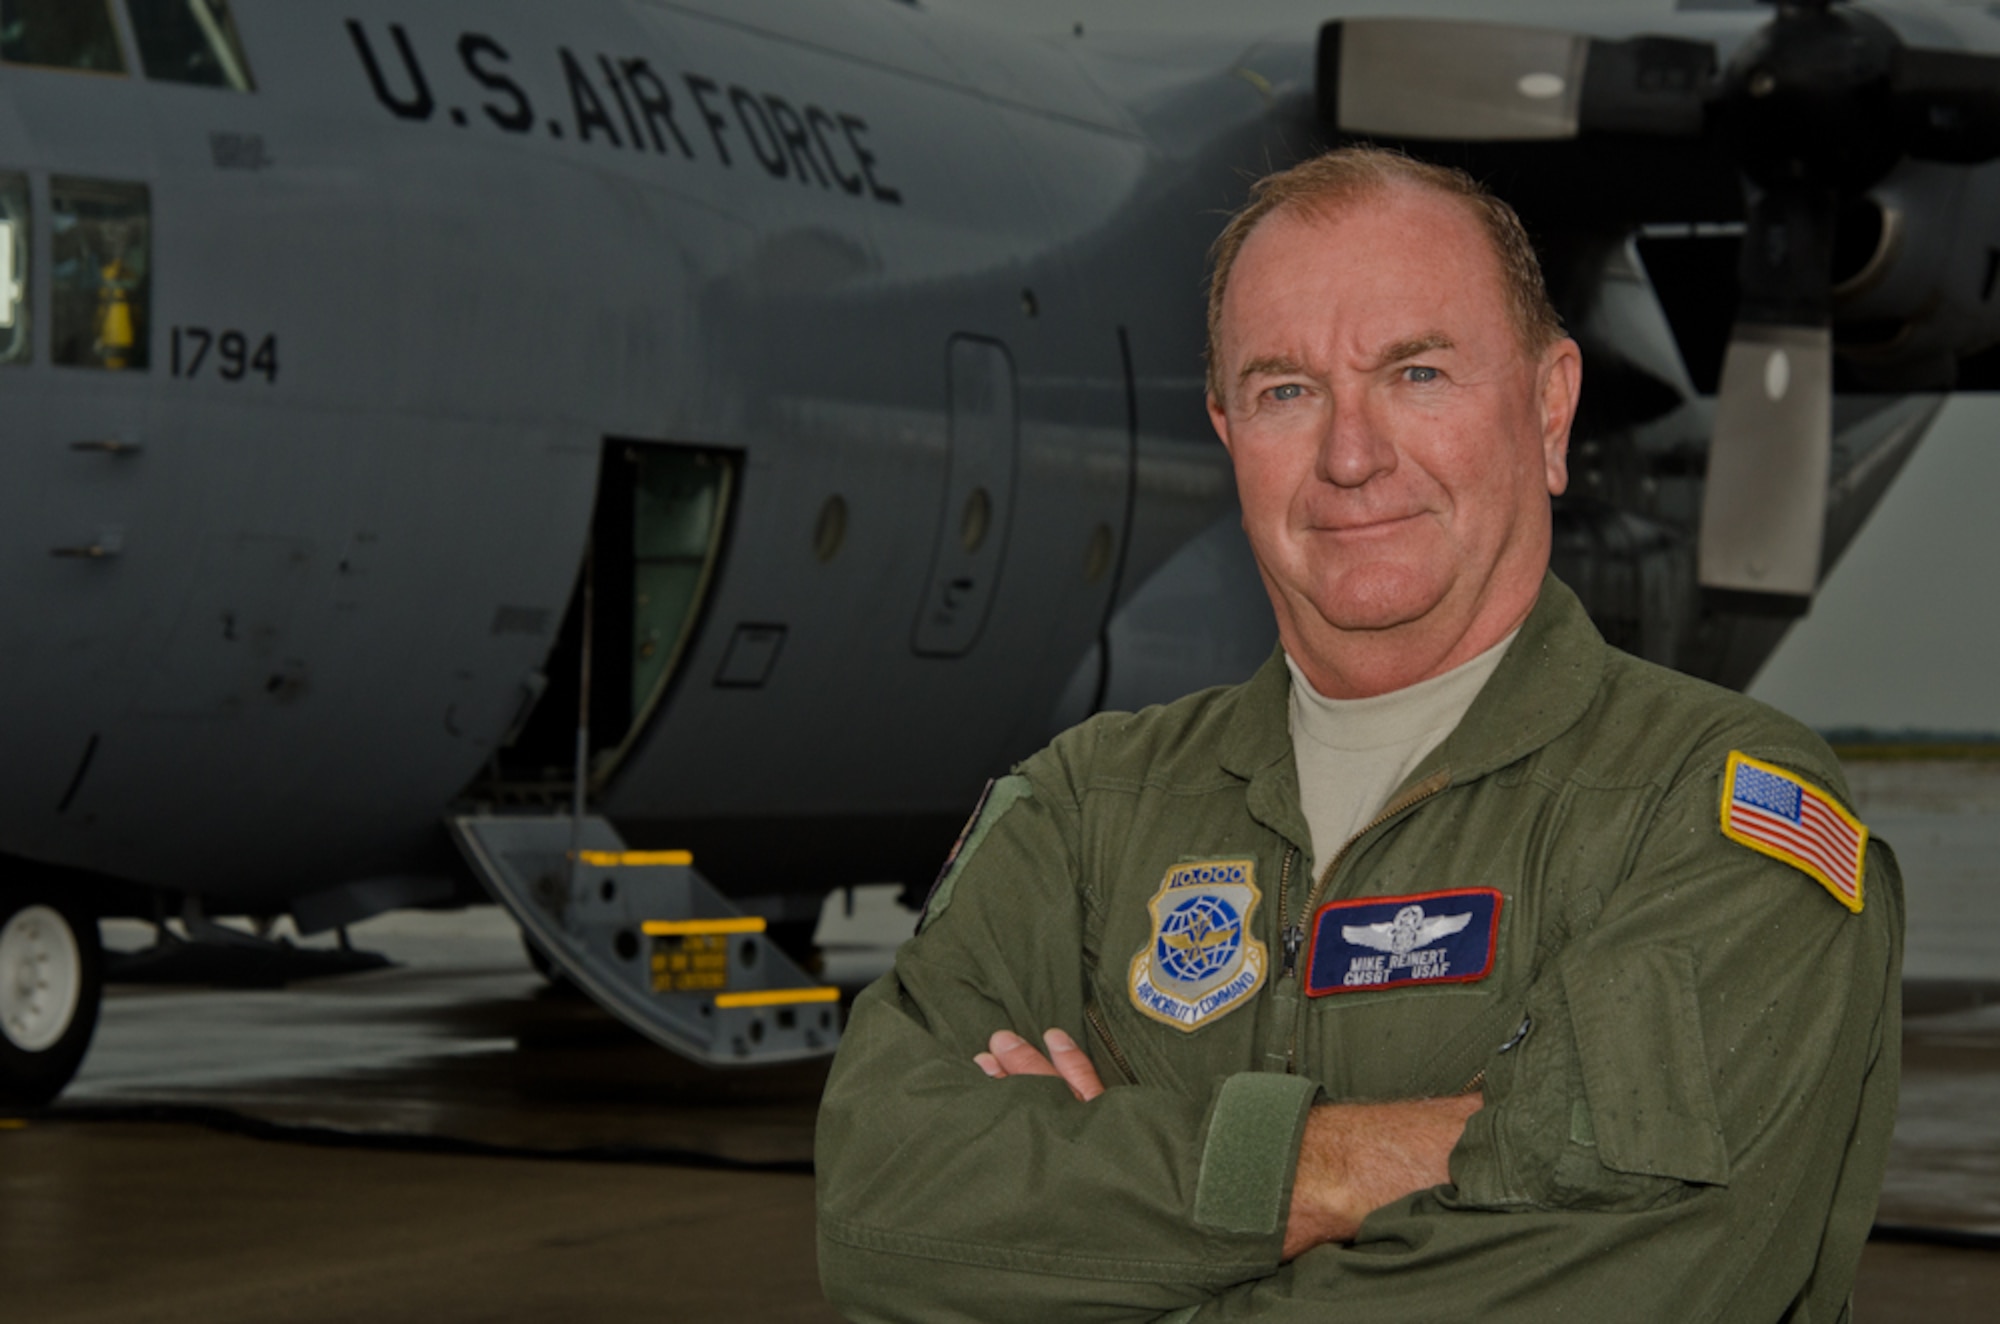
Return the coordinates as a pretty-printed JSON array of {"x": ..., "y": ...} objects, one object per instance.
[
  {"x": 1465, "y": 82},
  {"x": 1494, "y": 82},
  {"x": 1763, "y": 516},
  {"x": 1763, "y": 509}
]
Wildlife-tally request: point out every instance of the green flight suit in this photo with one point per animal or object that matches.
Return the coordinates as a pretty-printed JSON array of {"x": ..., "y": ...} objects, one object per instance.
[{"x": 1688, "y": 1120}]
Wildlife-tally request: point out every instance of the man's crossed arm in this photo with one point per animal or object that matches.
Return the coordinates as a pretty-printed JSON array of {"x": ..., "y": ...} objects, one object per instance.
[{"x": 1355, "y": 1157}]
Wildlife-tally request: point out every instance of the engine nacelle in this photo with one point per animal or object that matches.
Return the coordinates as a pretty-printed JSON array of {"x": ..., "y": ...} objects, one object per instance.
[{"x": 1915, "y": 277}]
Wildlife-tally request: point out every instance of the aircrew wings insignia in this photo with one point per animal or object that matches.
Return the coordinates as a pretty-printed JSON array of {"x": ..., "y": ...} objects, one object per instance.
[{"x": 1408, "y": 931}]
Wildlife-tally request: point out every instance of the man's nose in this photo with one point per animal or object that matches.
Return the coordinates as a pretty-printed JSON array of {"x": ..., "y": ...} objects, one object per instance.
[{"x": 1353, "y": 449}]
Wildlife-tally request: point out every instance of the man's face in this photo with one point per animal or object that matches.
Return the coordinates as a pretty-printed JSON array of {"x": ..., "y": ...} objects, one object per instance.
[{"x": 1395, "y": 445}]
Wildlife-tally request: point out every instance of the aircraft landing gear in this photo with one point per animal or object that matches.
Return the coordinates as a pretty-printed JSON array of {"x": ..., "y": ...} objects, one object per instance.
[{"x": 51, "y": 980}]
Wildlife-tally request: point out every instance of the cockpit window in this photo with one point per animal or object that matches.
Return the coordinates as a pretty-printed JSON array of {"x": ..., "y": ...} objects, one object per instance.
[
  {"x": 14, "y": 343},
  {"x": 190, "y": 41},
  {"x": 101, "y": 273},
  {"x": 60, "y": 34}
]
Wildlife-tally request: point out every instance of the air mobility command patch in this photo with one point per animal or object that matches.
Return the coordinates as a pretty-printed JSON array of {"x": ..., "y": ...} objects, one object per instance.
[
  {"x": 1397, "y": 941},
  {"x": 1201, "y": 960},
  {"x": 1776, "y": 814}
]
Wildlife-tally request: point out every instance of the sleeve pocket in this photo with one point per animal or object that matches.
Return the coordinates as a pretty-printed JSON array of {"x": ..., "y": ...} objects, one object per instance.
[{"x": 1645, "y": 1070}]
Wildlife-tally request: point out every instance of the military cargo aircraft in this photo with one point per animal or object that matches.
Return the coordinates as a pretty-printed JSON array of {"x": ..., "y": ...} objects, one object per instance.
[{"x": 659, "y": 457}]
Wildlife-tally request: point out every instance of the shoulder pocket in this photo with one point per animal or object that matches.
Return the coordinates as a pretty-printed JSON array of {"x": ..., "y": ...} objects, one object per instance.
[{"x": 1650, "y": 1108}]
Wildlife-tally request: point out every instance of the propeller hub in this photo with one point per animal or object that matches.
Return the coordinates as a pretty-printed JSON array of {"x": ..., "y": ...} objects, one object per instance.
[{"x": 1807, "y": 100}]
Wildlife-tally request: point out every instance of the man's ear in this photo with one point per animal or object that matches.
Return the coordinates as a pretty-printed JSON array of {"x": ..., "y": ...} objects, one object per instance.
[
  {"x": 1218, "y": 418},
  {"x": 1562, "y": 387}
]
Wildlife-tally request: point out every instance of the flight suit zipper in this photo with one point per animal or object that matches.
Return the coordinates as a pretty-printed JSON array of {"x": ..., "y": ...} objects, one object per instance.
[
  {"x": 1403, "y": 803},
  {"x": 1292, "y": 935},
  {"x": 1096, "y": 1020},
  {"x": 1513, "y": 1040}
]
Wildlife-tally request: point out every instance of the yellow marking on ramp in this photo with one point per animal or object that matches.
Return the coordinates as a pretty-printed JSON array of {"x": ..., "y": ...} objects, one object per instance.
[
  {"x": 777, "y": 997},
  {"x": 678, "y": 928}
]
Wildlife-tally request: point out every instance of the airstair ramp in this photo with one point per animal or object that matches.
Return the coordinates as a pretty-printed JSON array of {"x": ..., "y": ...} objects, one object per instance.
[{"x": 651, "y": 940}]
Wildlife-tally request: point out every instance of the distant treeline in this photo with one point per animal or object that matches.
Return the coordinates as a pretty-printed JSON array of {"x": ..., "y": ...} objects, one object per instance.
[{"x": 1871, "y": 743}]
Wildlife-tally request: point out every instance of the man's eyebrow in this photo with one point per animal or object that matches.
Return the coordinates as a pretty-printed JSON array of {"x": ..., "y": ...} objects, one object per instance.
[
  {"x": 1415, "y": 347},
  {"x": 1272, "y": 365}
]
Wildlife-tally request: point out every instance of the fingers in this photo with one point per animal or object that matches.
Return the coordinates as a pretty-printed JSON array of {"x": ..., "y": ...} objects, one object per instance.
[
  {"x": 1073, "y": 1065},
  {"x": 1016, "y": 1056},
  {"x": 1008, "y": 1054}
]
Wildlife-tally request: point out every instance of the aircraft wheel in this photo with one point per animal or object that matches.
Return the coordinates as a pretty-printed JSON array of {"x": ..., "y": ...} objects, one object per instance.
[{"x": 51, "y": 981}]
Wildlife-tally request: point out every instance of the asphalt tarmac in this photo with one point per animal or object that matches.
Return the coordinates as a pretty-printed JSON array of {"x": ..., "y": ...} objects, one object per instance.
[
  {"x": 448, "y": 1139},
  {"x": 147, "y": 1222}
]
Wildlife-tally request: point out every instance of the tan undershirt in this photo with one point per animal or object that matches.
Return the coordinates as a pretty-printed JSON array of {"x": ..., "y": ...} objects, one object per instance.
[{"x": 1353, "y": 753}]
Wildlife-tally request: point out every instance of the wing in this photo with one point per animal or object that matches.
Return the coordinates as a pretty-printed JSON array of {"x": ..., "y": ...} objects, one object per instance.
[
  {"x": 1378, "y": 936},
  {"x": 1441, "y": 926}
]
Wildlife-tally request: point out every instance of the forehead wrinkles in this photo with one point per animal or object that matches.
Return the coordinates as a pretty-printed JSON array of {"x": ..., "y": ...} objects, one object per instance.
[{"x": 1369, "y": 281}]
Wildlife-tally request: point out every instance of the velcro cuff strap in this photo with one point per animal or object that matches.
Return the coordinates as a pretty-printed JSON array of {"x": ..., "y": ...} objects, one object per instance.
[{"x": 1252, "y": 1149}]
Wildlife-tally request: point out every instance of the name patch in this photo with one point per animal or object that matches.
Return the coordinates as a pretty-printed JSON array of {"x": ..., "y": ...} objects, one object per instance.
[
  {"x": 1397, "y": 941},
  {"x": 1202, "y": 959}
]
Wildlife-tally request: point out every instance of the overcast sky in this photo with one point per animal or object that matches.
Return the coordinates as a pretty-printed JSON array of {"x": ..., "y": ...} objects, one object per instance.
[{"x": 1906, "y": 633}]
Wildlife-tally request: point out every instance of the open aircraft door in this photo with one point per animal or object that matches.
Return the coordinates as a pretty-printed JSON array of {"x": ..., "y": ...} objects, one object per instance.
[
  {"x": 656, "y": 540},
  {"x": 641, "y": 931}
]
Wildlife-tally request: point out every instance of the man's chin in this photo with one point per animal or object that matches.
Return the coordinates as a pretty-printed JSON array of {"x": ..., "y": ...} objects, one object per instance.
[{"x": 1382, "y": 600}]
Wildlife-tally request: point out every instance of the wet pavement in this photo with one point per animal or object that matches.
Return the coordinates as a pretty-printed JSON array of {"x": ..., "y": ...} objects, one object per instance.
[
  {"x": 461, "y": 1042},
  {"x": 447, "y": 1139},
  {"x": 145, "y": 1223},
  {"x": 451, "y": 1139},
  {"x": 1943, "y": 820}
]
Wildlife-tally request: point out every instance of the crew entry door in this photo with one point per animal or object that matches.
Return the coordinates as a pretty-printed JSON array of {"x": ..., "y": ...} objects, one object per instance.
[{"x": 978, "y": 499}]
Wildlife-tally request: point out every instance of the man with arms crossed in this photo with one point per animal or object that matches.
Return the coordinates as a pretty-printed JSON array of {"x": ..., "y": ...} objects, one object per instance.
[{"x": 1456, "y": 966}]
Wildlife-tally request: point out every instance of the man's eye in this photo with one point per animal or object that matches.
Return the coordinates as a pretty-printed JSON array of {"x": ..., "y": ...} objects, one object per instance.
[
  {"x": 1420, "y": 374},
  {"x": 1288, "y": 391}
]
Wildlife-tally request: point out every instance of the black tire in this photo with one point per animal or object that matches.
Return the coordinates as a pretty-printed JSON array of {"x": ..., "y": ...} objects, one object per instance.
[{"x": 51, "y": 984}]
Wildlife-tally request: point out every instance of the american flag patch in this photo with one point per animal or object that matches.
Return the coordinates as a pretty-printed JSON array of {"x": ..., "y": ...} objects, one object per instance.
[{"x": 1774, "y": 813}]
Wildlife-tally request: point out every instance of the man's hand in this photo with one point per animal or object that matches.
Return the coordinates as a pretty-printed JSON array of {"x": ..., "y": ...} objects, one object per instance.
[
  {"x": 1010, "y": 1055},
  {"x": 1357, "y": 1157}
]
